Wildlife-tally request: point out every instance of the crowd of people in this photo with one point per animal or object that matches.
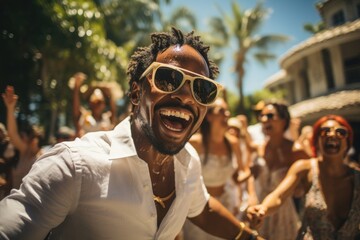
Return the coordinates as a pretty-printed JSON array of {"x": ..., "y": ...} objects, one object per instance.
[{"x": 179, "y": 166}]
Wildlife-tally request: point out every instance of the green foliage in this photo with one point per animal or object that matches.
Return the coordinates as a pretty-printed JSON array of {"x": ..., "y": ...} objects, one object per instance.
[
  {"x": 85, "y": 44},
  {"x": 128, "y": 22},
  {"x": 233, "y": 101},
  {"x": 181, "y": 17},
  {"x": 217, "y": 38},
  {"x": 43, "y": 43},
  {"x": 314, "y": 28}
]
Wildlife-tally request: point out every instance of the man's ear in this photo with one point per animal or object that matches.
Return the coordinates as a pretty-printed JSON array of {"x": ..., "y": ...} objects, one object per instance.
[{"x": 135, "y": 93}]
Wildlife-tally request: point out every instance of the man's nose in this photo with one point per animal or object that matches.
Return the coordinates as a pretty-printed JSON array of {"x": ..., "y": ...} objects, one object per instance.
[{"x": 184, "y": 94}]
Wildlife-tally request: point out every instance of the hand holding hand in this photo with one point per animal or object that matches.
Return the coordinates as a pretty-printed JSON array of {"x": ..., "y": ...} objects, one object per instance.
[{"x": 255, "y": 215}]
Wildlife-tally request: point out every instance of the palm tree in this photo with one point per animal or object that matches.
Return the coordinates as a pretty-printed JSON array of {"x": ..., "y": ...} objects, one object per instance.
[
  {"x": 314, "y": 28},
  {"x": 217, "y": 38},
  {"x": 128, "y": 22},
  {"x": 243, "y": 26},
  {"x": 180, "y": 17}
]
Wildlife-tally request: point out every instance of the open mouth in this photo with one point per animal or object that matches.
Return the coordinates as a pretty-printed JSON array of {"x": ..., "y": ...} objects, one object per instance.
[
  {"x": 331, "y": 145},
  {"x": 267, "y": 127},
  {"x": 175, "y": 120}
]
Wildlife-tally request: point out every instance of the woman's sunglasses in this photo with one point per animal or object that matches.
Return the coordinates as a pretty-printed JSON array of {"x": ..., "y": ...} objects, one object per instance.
[
  {"x": 340, "y": 132},
  {"x": 269, "y": 116},
  {"x": 168, "y": 79}
]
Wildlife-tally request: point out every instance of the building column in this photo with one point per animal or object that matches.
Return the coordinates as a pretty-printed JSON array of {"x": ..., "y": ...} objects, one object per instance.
[{"x": 337, "y": 66}]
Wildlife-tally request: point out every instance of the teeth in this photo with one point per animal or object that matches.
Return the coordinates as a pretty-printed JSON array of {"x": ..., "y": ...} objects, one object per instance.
[
  {"x": 177, "y": 114},
  {"x": 174, "y": 129}
]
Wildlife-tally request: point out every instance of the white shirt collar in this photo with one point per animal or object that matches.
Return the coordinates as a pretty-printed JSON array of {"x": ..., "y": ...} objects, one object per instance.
[{"x": 122, "y": 144}]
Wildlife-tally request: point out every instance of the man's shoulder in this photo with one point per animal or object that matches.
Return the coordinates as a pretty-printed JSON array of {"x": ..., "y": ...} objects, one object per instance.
[{"x": 93, "y": 142}]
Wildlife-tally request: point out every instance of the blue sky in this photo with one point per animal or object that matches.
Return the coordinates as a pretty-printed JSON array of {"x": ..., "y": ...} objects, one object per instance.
[{"x": 287, "y": 17}]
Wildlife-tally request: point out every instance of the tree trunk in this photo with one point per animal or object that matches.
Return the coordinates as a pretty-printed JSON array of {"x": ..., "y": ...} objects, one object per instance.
[{"x": 240, "y": 81}]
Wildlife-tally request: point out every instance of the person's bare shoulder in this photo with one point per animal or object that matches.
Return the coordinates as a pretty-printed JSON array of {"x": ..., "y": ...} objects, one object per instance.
[
  {"x": 300, "y": 154},
  {"x": 302, "y": 169}
]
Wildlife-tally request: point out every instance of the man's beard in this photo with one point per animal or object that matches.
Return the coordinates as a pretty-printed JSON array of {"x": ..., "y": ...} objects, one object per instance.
[{"x": 164, "y": 148}]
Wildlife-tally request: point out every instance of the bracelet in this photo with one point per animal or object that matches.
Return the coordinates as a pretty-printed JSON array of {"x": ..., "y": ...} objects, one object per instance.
[
  {"x": 254, "y": 235},
  {"x": 242, "y": 226}
]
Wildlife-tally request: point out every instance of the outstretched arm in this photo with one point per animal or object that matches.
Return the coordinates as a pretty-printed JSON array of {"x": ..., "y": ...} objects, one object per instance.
[
  {"x": 296, "y": 174},
  {"x": 217, "y": 220},
  {"x": 46, "y": 196},
  {"x": 10, "y": 100}
]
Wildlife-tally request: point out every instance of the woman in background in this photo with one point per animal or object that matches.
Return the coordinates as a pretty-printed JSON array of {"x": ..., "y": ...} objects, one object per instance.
[
  {"x": 246, "y": 186},
  {"x": 277, "y": 155},
  {"x": 332, "y": 200},
  {"x": 221, "y": 160},
  {"x": 27, "y": 140},
  {"x": 96, "y": 117}
]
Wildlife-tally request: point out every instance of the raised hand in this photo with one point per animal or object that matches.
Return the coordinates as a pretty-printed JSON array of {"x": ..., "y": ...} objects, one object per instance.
[
  {"x": 79, "y": 79},
  {"x": 10, "y": 98}
]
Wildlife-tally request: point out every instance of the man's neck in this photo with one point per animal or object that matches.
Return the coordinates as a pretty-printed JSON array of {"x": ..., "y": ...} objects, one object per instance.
[{"x": 145, "y": 150}]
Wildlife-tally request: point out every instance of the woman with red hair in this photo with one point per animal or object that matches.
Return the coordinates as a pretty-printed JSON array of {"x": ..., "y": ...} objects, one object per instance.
[{"x": 332, "y": 187}]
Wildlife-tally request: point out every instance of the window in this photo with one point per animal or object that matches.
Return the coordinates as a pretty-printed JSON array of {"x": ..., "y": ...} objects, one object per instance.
[
  {"x": 338, "y": 18},
  {"x": 328, "y": 69},
  {"x": 352, "y": 70},
  {"x": 305, "y": 84}
]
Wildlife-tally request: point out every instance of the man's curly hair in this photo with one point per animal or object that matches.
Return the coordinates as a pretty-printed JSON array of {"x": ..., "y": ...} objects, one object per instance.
[{"x": 144, "y": 56}]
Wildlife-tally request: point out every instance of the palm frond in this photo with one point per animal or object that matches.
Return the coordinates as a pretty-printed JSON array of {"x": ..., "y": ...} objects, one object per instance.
[
  {"x": 183, "y": 14},
  {"x": 217, "y": 26},
  {"x": 264, "y": 57},
  {"x": 264, "y": 42}
]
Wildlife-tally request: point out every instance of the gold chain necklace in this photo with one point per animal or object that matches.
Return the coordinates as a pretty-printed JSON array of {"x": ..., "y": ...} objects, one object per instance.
[{"x": 160, "y": 200}]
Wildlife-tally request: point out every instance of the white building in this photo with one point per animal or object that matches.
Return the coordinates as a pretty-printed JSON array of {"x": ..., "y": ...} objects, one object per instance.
[{"x": 321, "y": 75}]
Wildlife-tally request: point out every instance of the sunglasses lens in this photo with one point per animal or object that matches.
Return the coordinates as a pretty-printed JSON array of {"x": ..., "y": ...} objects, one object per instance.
[
  {"x": 324, "y": 131},
  {"x": 205, "y": 91},
  {"x": 341, "y": 132},
  {"x": 167, "y": 79},
  {"x": 269, "y": 116}
]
